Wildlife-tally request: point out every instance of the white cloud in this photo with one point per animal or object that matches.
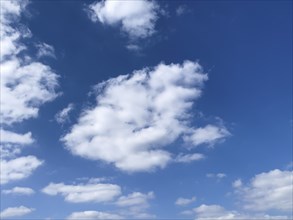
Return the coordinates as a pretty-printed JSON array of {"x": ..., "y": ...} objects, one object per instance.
[
  {"x": 18, "y": 168},
  {"x": 63, "y": 115},
  {"x": 237, "y": 183},
  {"x": 14, "y": 138},
  {"x": 184, "y": 201},
  {"x": 45, "y": 50},
  {"x": 136, "y": 204},
  {"x": 135, "y": 199},
  {"x": 136, "y": 18},
  {"x": 15, "y": 212},
  {"x": 207, "y": 212},
  {"x": 267, "y": 191},
  {"x": 187, "y": 158},
  {"x": 12, "y": 143},
  {"x": 78, "y": 193},
  {"x": 19, "y": 191},
  {"x": 94, "y": 215},
  {"x": 209, "y": 134},
  {"x": 181, "y": 10},
  {"x": 25, "y": 85},
  {"x": 136, "y": 115},
  {"x": 216, "y": 175}
]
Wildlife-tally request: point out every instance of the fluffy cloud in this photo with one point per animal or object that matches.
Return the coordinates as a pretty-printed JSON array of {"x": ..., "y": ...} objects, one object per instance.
[
  {"x": 63, "y": 116},
  {"x": 15, "y": 212},
  {"x": 94, "y": 215},
  {"x": 184, "y": 201},
  {"x": 267, "y": 191},
  {"x": 19, "y": 191},
  {"x": 136, "y": 115},
  {"x": 25, "y": 85},
  {"x": 18, "y": 168},
  {"x": 209, "y": 134},
  {"x": 90, "y": 192},
  {"x": 12, "y": 143},
  {"x": 136, "y": 18},
  {"x": 187, "y": 158}
]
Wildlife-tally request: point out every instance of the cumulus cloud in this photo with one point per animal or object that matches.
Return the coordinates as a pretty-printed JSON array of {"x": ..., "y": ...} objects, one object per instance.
[
  {"x": 184, "y": 201},
  {"x": 136, "y": 18},
  {"x": 19, "y": 191},
  {"x": 18, "y": 168},
  {"x": 187, "y": 158},
  {"x": 63, "y": 116},
  {"x": 25, "y": 85},
  {"x": 78, "y": 193},
  {"x": 137, "y": 115},
  {"x": 272, "y": 190},
  {"x": 15, "y": 212},
  {"x": 209, "y": 134},
  {"x": 94, "y": 215}
]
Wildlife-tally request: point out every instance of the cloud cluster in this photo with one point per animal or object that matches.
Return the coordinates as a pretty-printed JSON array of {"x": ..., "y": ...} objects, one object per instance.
[
  {"x": 139, "y": 114},
  {"x": 90, "y": 192},
  {"x": 136, "y": 18},
  {"x": 267, "y": 191},
  {"x": 25, "y": 85},
  {"x": 15, "y": 212}
]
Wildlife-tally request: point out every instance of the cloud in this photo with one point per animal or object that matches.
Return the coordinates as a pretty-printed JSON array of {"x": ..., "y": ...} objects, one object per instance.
[
  {"x": 184, "y": 201},
  {"x": 45, "y": 50},
  {"x": 15, "y": 212},
  {"x": 63, "y": 116},
  {"x": 216, "y": 175},
  {"x": 137, "y": 115},
  {"x": 267, "y": 191},
  {"x": 18, "y": 168},
  {"x": 135, "y": 204},
  {"x": 14, "y": 138},
  {"x": 25, "y": 85},
  {"x": 181, "y": 10},
  {"x": 19, "y": 191},
  {"x": 205, "y": 212},
  {"x": 187, "y": 158},
  {"x": 136, "y": 18},
  {"x": 94, "y": 215},
  {"x": 78, "y": 193},
  {"x": 209, "y": 134}
]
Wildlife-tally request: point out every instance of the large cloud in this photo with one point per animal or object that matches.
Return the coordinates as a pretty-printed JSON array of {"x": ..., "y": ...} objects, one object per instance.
[
  {"x": 25, "y": 85},
  {"x": 267, "y": 191},
  {"x": 136, "y": 115},
  {"x": 90, "y": 192},
  {"x": 137, "y": 18}
]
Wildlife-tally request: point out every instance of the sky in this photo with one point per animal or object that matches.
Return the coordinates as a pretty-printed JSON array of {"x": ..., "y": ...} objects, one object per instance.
[{"x": 119, "y": 109}]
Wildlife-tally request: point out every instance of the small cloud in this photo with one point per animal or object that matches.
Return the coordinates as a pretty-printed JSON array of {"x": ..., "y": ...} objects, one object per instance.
[
  {"x": 45, "y": 50},
  {"x": 182, "y": 9},
  {"x": 19, "y": 191},
  {"x": 237, "y": 183},
  {"x": 216, "y": 175},
  {"x": 188, "y": 158},
  {"x": 63, "y": 116},
  {"x": 184, "y": 201},
  {"x": 15, "y": 212}
]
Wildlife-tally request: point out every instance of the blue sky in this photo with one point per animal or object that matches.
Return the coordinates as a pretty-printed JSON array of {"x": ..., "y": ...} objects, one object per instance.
[{"x": 146, "y": 109}]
